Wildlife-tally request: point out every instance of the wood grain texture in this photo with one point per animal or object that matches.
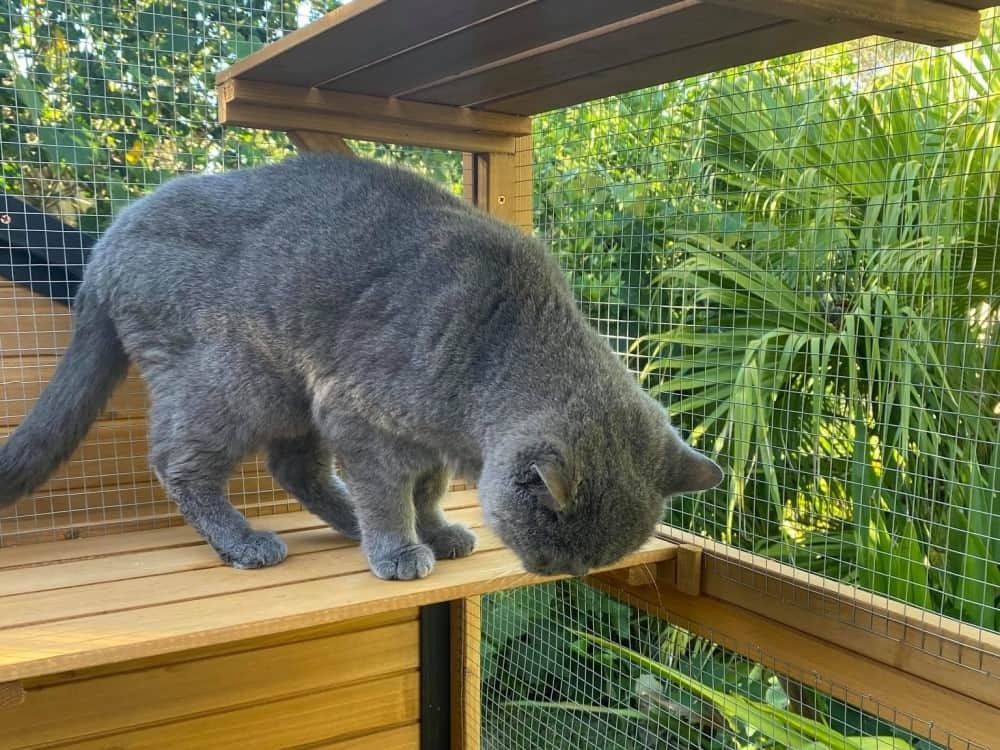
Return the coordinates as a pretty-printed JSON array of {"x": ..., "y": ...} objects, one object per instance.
[
  {"x": 371, "y": 107},
  {"x": 81, "y": 626},
  {"x": 400, "y": 738},
  {"x": 943, "y": 714},
  {"x": 314, "y": 717},
  {"x": 347, "y": 126},
  {"x": 174, "y": 690},
  {"x": 954, "y": 655}
]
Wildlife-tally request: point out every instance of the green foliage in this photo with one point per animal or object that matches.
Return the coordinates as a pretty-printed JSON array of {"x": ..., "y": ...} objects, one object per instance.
[
  {"x": 101, "y": 102},
  {"x": 799, "y": 257}
]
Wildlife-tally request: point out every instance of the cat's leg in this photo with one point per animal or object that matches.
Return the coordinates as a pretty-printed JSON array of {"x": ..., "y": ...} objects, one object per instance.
[
  {"x": 304, "y": 467},
  {"x": 192, "y": 459},
  {"x": 380, "y": 469},
  {"x": 448, "y": 540}
]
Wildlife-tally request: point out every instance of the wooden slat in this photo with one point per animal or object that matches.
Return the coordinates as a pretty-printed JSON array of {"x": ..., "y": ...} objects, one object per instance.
[
  {"x": 922, "y": 21},
  {"x": 23, "y": 378},
  {"x": 148, "y": 579},
  {"x": 675, "y": 26},
  {"x": 327, "y": 630},
  {"x": 400, "y": 738},
  {"x": 280, "y": 118},
  {"x": 110, "y": 546},
  {"x": 171, "y": 690},
  {"x": 136, "y": 633},
  {"x": 643, "y": 69},
  {"x": 357, "y": 34},
  {"x": 374, "y": 108},
  {"x": 524, "y": 27},
  {"x": 952, "y": 654},
  {"x": 942, "y": 714},
  {"x": 314, "y": 717}
]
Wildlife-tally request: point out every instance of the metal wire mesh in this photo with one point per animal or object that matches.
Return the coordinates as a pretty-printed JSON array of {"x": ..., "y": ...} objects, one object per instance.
[
  {"x": 101, "y": 101},
  {"x": 799, "y": 258},
  {"x": 566, "y": 666}
]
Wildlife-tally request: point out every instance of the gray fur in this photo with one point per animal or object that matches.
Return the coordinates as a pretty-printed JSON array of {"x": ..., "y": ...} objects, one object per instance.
[{"x": 332, "y": 306}]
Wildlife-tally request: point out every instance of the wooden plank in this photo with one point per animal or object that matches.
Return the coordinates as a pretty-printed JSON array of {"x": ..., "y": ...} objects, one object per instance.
[
  {"x": 110, "y": 546},
  {"x": 525, "y": 26},
  {"x": 325, "y": 143},
  {"x": 466, "y": 673},
  {"x": 314, "y": 717},
  {"x": 136, "y": 633},
  {"x": 674, "y": 26},
  {"x": 952, "y": 654},
  {"x": 942, "y": 714},
  {"x": 400, "y": 738},
  {"x": 91, "y": 586},
  {"x": 171, "y": 691},
  {"x": 371, "y": 107},
  {"x": 357, "y": 34},
  {"x": 922, "y": 21},
  {"x": 346, "y": 126},
  {"x": 372, "y": 622},
  {"x": 642, "y": 69},
  {"x": 22, "y": 379}
]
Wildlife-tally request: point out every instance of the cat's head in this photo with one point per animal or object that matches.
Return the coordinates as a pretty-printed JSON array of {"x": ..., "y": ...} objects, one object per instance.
[{"x": 572, "y": 494}]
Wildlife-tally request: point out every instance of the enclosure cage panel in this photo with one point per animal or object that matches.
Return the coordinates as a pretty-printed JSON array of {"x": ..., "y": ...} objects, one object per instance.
[
  {"x": 567, "y": 666},
  {"x": 798, "y": 259},
  {"x": 100, "y": 103}
]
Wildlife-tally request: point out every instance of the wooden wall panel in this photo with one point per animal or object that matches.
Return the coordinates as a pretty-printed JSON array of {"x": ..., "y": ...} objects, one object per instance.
[
  {"x": 316, "y": 685},
  {"x": 107, "y": 485}
]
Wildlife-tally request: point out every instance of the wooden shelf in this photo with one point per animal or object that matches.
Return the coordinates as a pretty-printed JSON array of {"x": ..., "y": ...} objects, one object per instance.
[
  {"x": 433, "y": 72},
  {"x": 71, "y": 605}
]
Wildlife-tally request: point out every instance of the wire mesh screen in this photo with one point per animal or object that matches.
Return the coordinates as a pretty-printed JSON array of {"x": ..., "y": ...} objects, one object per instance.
[
  {"x": 799, "y": 259},
  {"x": 566, "y": 666},
  {"x": 101, "y": 101}
]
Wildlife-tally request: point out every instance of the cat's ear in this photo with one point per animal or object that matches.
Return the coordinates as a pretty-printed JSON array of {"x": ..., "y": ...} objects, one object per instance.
[
  {"x": 553, "y": 487},
  {"x": 692, "y": 471}
]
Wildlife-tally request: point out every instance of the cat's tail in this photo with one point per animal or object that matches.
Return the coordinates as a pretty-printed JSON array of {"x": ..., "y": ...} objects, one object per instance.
[{"x": 94, "y": 363}]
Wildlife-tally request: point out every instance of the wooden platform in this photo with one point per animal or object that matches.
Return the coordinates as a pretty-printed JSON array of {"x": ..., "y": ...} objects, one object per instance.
[
  {"x": 71, "y": 605},
  {"x": 467, "y": 74}
]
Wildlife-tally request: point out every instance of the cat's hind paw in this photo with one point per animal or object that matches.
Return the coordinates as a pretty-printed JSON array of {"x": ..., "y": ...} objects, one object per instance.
[
  {"x": 452, "y": 541},
  {"x": 404, "y": 564}
]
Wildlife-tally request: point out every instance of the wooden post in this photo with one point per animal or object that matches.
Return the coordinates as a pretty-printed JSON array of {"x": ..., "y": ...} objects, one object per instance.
[
  {"x": 313, "y": 140},
  {"x": 500, "y": 184},
  {"x": 466, "y": 627}
]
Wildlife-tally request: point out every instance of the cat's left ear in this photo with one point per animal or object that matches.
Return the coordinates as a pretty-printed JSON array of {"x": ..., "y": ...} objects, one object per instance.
[{"x": 691, "y": 471}]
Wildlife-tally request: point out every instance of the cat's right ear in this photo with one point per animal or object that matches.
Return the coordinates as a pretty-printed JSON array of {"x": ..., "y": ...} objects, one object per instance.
[{"x": 691, "y": 471}]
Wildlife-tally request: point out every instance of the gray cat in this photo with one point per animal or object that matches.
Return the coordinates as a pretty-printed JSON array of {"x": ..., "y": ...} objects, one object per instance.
[{"x": 333, "y": 306}]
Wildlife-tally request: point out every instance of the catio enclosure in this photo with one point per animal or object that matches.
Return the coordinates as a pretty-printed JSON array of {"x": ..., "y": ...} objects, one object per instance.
[{"x": 787, "y": 227}]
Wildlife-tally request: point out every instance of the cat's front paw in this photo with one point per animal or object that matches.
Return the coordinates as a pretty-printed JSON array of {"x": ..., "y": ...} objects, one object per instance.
[
  {"x": 255, "y": 549},
  {"x": 451, "y": 541},
  {"x": 404, "y": 563}
]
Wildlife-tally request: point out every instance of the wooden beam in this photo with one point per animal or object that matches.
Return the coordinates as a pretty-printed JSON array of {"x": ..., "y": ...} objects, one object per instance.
[
  {"x": 321, "y": 101},
  {"x": 316, "y": 142},
  {"x": 11, "y": 694},
  {"x": 386, "y": 131},
  {"x": 951, "y": 654},
  {"x": 941, "y": 714},
  {"x": 923, "y": 21}
]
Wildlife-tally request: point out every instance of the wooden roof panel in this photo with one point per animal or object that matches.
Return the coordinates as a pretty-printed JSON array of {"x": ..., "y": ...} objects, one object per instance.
[
  {"x": 523, "y": 27},
  {"x": 653, "y": 35}
]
